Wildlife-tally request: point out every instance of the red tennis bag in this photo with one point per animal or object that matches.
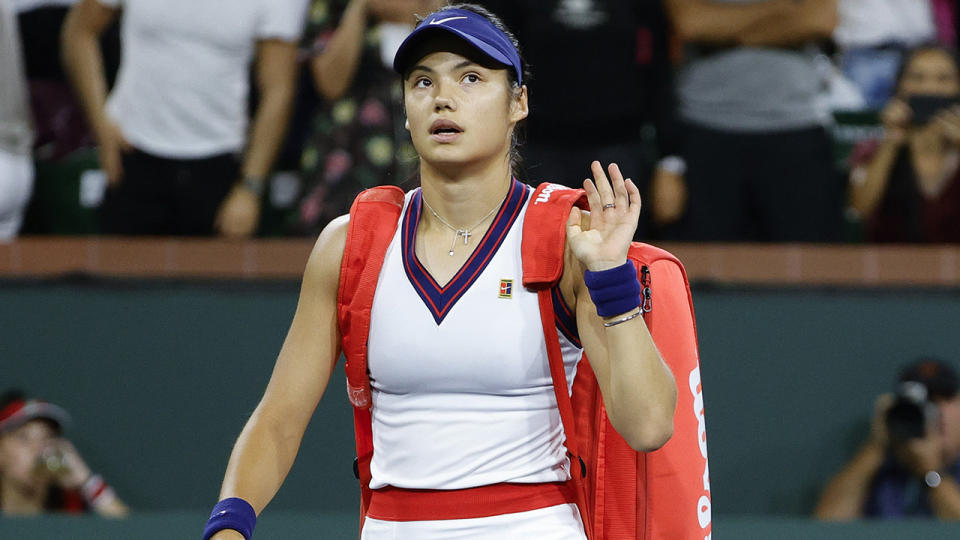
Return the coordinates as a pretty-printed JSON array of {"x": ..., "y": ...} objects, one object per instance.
[{"x": 622, "y": 494}]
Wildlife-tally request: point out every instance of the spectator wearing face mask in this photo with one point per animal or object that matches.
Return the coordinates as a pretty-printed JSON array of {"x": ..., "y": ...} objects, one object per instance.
[{"x": 906, "y": 187}]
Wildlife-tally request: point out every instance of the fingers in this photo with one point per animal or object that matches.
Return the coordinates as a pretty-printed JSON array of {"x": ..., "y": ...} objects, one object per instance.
[
  {"x": 633, "y": 195},
  {"x": 613, "y": 192},
  {"x": 620, "y": 196},
  {"x": 606, "y": 193},
  {"x": 883, "y": 403},
  {"x": 603, "y": 185},
  {"x": 573, "y": 222},
  {"x": 949, "y": 123},
  {"x": 238, "y": 215},
  {"x": 896, "y": 114},
  {"x": 593, "y": 197}
]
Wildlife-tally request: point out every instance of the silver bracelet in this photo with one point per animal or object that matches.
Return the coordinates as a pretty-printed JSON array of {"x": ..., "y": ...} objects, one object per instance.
[{"x": 623, "y": 319}]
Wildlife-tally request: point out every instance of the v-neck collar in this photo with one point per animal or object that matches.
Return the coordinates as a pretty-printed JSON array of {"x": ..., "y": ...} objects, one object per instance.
[{"x": 439, "y": 300}]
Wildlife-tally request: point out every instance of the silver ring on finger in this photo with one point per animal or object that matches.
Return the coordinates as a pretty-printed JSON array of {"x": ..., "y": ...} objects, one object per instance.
[{"x": 610, "y": 205}]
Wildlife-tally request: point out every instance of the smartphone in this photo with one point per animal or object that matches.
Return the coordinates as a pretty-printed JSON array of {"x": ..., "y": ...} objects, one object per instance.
[{"x": 925, "y": 106}]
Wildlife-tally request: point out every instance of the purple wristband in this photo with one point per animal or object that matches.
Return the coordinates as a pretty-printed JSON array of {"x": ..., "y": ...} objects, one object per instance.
[
  {"x": 233, "y": 513},
  {"x": 614, "y": 291}
]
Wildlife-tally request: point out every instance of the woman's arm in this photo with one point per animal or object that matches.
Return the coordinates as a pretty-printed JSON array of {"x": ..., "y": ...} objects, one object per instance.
[
  {"x": 773, "y": 23},
  {"x": 269, "y": 442},
  {"x": 638, "y": 389},
  {"x": 334, "y": 68},
  {"x": 808, "y": 20},
  {"x": 276, "y": 83},
  {"x": 945, "y": 499},
  {"x": 276, "y": 65},
  {"x": 83, "y": 61},
  {"x": 868, "y": 182},
  {"x": 846, "y": 493}
]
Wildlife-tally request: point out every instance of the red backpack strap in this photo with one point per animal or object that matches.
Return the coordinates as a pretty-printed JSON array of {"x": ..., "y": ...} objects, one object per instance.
[
  {"x": 542, "y": 250},
  {"x": 578, "y": 468},
  {"x": 374, "y": 217},
  {"x": 545, "y": 233},
  {"x": 373, "y": 221}
]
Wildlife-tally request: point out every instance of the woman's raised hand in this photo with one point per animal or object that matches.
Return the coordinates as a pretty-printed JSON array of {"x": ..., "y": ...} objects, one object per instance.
[
  {"x": 602, "y": 240},
  {"x": 947, "y": 122},
  {"x": 896, "y": 117}
]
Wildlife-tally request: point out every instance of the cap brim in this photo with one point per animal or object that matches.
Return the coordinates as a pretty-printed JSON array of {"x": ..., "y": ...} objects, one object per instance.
[
  {"x": 403, "y": 60},
  {"x": 36, "y": 410}
]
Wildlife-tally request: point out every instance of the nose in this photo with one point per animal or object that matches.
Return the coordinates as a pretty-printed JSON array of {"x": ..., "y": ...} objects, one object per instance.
[{"x": 442, "y": 99}]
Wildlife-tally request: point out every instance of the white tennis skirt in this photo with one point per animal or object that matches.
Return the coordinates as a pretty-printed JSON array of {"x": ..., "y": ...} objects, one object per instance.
[{"x": 560, "y": 522}]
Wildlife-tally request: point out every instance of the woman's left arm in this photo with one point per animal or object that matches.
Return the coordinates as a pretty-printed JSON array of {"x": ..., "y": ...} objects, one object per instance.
[
  {"x": 638, "y": 389},
  {"x": 276, "y": 68}
]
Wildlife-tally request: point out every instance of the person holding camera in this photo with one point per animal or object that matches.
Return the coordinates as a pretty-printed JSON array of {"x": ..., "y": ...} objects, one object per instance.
[
  {"x": 910, "y": 464},
  {"x": 906, "y": 187},
  {"x": 40, "y": 470}
]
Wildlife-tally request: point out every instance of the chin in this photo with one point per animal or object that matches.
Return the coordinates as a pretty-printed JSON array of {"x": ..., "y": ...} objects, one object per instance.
[{"x": 446, "y": 157}]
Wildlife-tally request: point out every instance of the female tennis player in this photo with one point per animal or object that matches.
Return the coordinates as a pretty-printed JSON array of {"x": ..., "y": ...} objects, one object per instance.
[{"x": 462, "y": 392}]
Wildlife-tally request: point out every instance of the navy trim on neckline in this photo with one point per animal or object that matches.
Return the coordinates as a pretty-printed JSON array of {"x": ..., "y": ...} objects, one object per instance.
[
  {"x": 566, "y": 322},
  {"x": 439, "y": 300}
]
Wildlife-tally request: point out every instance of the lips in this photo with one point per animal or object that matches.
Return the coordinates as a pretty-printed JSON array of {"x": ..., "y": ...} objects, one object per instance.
[{"x": 445, "y": 128}]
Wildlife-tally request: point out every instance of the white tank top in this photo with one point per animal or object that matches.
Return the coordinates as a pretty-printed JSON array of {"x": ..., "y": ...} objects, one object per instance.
[{"x": 462, "y": 393}]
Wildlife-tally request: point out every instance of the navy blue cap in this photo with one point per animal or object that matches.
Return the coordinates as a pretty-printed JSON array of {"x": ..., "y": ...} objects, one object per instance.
[{"x": 473, "y": 28}]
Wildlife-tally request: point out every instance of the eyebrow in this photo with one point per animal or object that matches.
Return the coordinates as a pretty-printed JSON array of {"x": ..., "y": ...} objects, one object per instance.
[{"x": 461, "y": 65}]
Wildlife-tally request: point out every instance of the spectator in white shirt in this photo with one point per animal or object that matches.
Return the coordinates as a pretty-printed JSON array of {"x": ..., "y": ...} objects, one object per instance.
[
  {"x": 172, "y": 129},
  {"x": 872, "y": 37},
  {"x": 16, "y": 131}
]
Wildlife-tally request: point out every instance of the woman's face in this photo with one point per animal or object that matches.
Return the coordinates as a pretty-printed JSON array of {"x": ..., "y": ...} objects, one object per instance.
[
  {"x": 20, "y": 449},
  {"x": 931, "y": 72},
  {"x": 459, "y": 112}
]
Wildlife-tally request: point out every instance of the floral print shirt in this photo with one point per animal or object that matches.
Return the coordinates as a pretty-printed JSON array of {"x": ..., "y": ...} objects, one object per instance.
[{"x": 359, "y": 140}]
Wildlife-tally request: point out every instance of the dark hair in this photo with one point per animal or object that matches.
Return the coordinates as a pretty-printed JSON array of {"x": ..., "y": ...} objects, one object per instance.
[
  {"x": 11, "y": 395},
  {"x": 909, "y": 55},
  {"x": 519, "y": 131},
  {"x": 937, "y": 375}
]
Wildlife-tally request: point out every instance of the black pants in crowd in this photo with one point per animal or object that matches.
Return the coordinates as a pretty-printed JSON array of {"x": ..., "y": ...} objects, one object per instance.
[
  {"x": 779, "y": 186},
  {"x": 168, "y": 197}
]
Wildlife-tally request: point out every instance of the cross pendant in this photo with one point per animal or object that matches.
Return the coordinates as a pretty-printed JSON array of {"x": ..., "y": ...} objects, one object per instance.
[{"x": 465, "y": 234}]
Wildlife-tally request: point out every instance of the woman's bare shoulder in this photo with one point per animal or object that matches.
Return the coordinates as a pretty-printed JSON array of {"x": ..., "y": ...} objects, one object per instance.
[{"x": 323, "y": 266}]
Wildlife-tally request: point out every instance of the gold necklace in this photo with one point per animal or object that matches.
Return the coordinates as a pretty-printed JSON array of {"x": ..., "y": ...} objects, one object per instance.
[{"x": 465, "y": 233}]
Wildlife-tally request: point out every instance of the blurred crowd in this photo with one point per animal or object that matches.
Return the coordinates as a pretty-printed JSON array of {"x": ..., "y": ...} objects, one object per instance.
[{"x": 760, "y": 120}]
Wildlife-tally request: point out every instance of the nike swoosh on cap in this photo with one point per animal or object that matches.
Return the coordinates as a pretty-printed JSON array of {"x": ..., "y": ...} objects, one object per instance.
[{"x": 441, "y": 21}]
